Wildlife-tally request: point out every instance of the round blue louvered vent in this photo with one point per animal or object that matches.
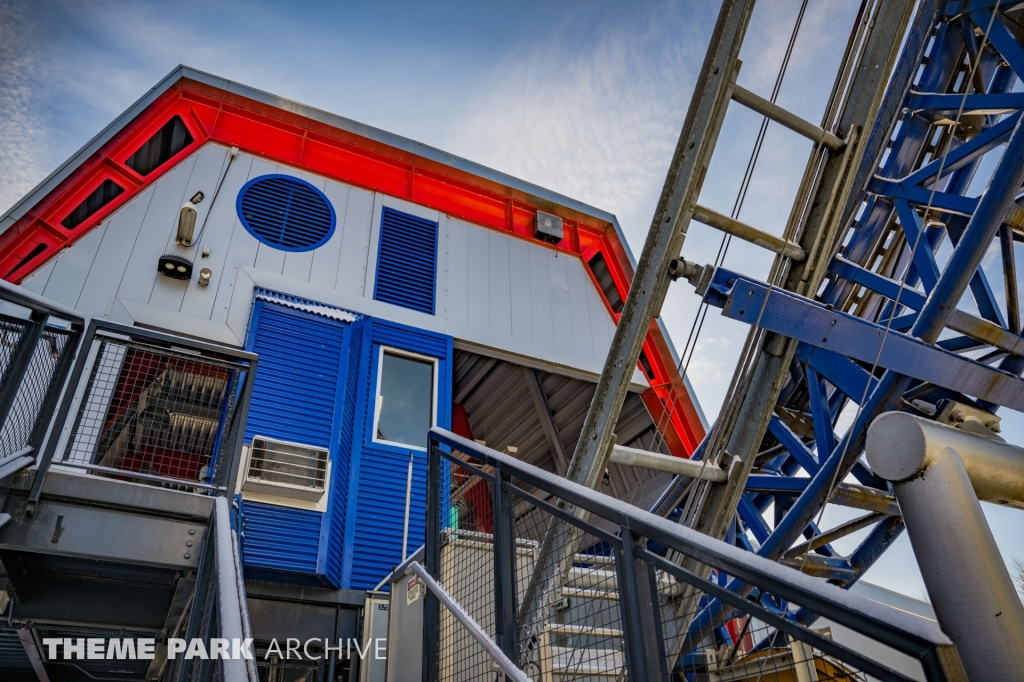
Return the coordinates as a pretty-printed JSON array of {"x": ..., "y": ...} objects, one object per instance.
[{"x": 286, "y": 212}]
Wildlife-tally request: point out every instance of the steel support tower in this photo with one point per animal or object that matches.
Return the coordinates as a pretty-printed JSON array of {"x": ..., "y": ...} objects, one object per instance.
[{"x": 876, "y": 300}]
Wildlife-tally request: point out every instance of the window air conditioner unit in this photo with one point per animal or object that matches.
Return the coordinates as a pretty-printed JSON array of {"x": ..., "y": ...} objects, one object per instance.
[{"x": 286, "y": 469}]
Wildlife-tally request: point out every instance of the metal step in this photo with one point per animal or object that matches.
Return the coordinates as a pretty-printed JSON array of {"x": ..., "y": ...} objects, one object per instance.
[
  {"x": 595, "y": 578},
  {"x": 585, "y": 593},
  {"x": 587, "y": 661},
  {"x": 559, "y": 629}
]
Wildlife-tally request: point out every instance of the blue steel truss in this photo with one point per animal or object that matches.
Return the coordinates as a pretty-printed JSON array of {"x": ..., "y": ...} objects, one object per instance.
[{"x": 880, "y": 331}]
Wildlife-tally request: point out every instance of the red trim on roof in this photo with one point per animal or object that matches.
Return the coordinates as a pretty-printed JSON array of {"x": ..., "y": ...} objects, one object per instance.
[{"x": 213, "y": 114}]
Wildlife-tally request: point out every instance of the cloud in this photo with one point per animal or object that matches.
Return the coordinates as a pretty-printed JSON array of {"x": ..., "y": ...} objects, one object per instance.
[
  {"x": 594, "y": 117},
  {"x": 23, "y": 129},
  {"x": 67, "y": 70}
]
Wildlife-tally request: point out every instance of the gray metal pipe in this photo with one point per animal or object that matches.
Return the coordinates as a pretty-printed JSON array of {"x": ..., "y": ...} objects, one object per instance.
[
  {"x": 673, "y": 465},
  {"x": 995, "y": 468},
  {"x": 511, "y": 670},
  {"x": 250, "y": 663},
  {"x": 935, "y": 470},
  {"x": 748, "y": 233},
  {"x": 229, "y": 603},
  {"x": 785, "y": 118},
  {"x": 863, "y": 497}
]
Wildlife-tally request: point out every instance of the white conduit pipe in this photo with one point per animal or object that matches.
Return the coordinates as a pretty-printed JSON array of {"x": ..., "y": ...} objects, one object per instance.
[
  {"x": 938, "y": 475},
  {"x": 408, "y": 500},
  {"x": 673, "y": 465}
]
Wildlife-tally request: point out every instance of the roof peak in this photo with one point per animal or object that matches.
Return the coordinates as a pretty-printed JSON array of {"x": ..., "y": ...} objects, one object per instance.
[{"x": 182, "y": 71}]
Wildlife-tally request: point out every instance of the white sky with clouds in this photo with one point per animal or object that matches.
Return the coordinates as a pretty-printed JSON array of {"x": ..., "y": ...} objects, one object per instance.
[{"x": 585, "y": 98}]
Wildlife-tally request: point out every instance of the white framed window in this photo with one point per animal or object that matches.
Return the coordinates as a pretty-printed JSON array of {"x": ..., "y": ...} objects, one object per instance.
[{"x": 405, "y": 401}]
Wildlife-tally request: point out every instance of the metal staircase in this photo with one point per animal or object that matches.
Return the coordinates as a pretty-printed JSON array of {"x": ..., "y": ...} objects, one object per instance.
[
  {"x": 585, "y": 638},
  {"x": 119, "y": 450},
  {"x": 624, "y": 606}
]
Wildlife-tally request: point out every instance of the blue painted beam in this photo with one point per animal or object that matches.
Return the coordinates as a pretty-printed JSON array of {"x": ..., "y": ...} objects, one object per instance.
[
  {"x": 908, "y": 296},
  {"x": 752, "y": 517},
  {"x": 943, "y": 201},
  {"x": 751, "y": 301},
  {"x": 957, "y": 7},
  {"x": 975, "y": 327},
  {"x": 980, "y": 288},
  {"x": 959, "y": 344},
  {"x": 1002, "y": 39},
  {"x": 841, "y": 372},
  {"x": 765, "y": 483},
  {"x": 874, "y": 545},
  {"x": 953, "y": 102},
  {"x": 793, "y": 444},
  {"x": 966, "y": 153},
  {"x": 922, "y": 254},
  {"x": 1006, "y": 181},
  {"x": 824, "y": 437}
]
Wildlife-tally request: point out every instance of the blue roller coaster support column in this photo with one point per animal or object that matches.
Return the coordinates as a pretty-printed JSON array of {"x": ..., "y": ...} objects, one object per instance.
[
  {"x": 997, "y": 200},
  {"x": 941, "y": 303}
]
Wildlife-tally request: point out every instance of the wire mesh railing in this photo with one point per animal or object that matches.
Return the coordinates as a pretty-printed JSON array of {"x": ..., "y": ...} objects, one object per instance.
[
  {"x": 38, "y": 339},
  {"x": 151, "y": 408},
  {"x": 614, "y": 600},
  {"x": 217, "y": 611}
]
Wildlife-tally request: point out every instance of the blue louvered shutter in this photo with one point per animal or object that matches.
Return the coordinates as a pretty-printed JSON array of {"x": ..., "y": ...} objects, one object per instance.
[{"x": 406, "y": 261}]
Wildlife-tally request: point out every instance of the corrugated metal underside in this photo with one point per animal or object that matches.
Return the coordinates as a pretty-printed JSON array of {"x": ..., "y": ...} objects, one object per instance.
[{"x": 503, "y": 412}]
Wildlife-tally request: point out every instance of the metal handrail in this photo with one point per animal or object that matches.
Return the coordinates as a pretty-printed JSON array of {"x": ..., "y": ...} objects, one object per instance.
[
  {"x": 478, "y": 633},
  {"x": 901, "y": 631},
  {"x": 26, "y": 299},
  {"x": 230, "y": 592},
  {"x": 33, "y": 331},
  {"x": 166, "y": 342}
]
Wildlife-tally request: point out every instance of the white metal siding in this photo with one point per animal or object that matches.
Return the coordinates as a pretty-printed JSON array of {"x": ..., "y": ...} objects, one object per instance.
[
  {"x": 493, "y": 290},
  {"x": 150, "y": 240}
]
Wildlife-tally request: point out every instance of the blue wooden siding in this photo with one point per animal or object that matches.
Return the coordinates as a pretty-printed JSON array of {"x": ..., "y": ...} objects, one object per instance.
[
  {"x": 281, "y": 538},
  {"x": 293, "y": 398},
  {"x": 316, "y": 385},
  {"x": 377, "y": 489}
]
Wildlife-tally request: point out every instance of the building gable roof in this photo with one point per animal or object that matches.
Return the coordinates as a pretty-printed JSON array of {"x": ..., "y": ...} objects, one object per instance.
[{"x": 219, "y": 110}]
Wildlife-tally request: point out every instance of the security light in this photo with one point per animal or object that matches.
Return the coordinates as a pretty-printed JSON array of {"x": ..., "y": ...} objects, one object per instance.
[
  {"x": 175, "y": 267},
  {"x": 186, "y": 224},
  {"x": 548, "y": 228}
]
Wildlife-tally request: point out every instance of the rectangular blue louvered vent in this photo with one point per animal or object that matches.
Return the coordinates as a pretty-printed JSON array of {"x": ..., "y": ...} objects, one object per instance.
[{"x": 406, "y": 261}]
